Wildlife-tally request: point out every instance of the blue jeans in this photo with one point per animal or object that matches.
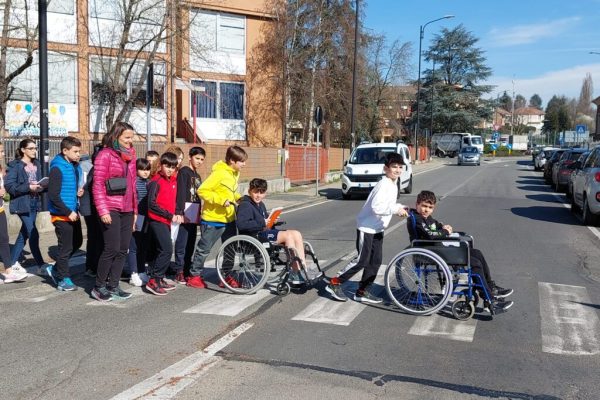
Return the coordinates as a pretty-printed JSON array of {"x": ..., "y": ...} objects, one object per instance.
[
  {"x": 208, "y": 237},
  {"x": 28, "y": 231}
]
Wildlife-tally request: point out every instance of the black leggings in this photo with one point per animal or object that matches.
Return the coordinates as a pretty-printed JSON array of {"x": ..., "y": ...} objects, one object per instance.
[
  {"x": 480, "y": 267},
  {"x": 4, "y": 241},
  {"x": 117, "y": 236}
]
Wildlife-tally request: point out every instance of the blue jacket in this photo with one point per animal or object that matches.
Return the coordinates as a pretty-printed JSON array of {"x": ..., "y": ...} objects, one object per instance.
[
  {"x": 17, "y": 185},
  {"x": 250, "y": 218},
  {"x": 70, "y": 175}
]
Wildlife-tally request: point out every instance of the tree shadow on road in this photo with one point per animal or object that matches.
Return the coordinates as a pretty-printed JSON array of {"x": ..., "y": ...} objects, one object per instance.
[{"x": 558, "y": 214}]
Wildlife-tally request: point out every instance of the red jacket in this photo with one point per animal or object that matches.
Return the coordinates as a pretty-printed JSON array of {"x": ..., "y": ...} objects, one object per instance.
[
  {"x": 108, "y": 164},
  {"x": 162, "y": 198}
]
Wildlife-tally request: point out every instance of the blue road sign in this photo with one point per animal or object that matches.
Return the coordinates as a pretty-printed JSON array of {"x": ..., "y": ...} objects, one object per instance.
[
  {"x": 509, "y": 146},
  {"x": 495, "y": 135},
  {"x": 494, "y": 147},
  {"x": 581, "y": 129}
]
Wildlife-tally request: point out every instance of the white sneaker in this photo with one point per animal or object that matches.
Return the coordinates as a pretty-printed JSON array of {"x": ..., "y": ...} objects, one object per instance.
[
  {"x": 135, "y": 280},
  {"x": 14, "y": 276},
  {"x": 17, "y": 267},
  {"x": 144, "y": 277}
]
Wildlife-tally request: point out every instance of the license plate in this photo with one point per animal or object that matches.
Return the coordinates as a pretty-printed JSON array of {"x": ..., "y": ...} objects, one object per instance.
[{"x": 364, "y": 185}]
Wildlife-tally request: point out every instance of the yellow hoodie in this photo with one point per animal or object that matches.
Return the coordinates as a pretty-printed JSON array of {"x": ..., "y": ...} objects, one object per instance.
[{"x": 220, "y": 186}]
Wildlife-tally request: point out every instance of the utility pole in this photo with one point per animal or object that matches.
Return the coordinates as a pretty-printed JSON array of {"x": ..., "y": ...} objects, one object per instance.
[
  {"x": 43, "y": 72},
  {"x": 512, "y": 114}
]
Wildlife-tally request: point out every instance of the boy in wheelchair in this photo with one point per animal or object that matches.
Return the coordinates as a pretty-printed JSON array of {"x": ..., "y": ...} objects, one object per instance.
[
  {"x": 422, "y": 226},
  {"x": 251, "y": 220}
]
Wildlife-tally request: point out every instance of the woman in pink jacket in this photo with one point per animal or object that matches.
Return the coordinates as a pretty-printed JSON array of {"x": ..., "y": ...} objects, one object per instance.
[{"x": 116, "y": 203}]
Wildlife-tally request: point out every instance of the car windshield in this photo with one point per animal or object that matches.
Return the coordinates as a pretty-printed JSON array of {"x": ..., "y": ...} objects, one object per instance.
[
  {"x": 469, "y": 150},
  {"x": 476, "y": 140},
  {"x": 371, "y": 155}
]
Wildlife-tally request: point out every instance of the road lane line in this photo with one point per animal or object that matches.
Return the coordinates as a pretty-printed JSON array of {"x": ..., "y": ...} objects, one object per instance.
[
  {"x": 228, "y": 304},
  {"x": 569, "y": 324},
  {"x": 172, "y": 380},
  {"x": 444, "y": 327},
  {"x": 325, "y": 310}
]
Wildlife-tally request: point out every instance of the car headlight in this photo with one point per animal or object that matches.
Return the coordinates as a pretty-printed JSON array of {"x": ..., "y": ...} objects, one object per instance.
[{"x": 348, "y": 170}]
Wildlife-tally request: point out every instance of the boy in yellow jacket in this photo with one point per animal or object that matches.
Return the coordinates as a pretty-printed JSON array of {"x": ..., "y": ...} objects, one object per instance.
[{"x": 219, "y": 194}]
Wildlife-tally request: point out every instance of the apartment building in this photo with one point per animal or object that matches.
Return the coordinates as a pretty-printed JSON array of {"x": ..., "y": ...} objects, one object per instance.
[{"x": 206, "y": 57}]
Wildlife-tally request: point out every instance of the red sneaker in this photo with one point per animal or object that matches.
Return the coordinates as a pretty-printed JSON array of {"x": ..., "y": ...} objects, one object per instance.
[
  {"x": 180, "y": 278},
  {"x": 231, "y": 282},
  {"x": 196, "y": 282},
  {"x": 154, "y": 287},
  {"x": 166, "y": 285}
]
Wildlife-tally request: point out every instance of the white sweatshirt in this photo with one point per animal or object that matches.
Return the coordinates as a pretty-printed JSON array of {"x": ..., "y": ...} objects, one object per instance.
[{"x": 379, "y": 208}]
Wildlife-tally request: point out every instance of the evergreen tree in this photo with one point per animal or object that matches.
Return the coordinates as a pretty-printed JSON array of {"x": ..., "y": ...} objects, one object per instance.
[
  {"x": 535, "y": 101},
  {"x": 458, "y": 105},
  {"x": 505, "y": 102},
  {"x": 520, "y": 101}
]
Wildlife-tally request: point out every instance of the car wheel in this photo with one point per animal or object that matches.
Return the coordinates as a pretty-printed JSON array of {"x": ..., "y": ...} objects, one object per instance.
[
  {"x": 589, "y": 219},
  {"x": 408, "y": 189}
]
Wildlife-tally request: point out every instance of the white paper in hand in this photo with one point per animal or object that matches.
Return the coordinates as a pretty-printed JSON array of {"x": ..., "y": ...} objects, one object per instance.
[{"x": 174, "y": 231}]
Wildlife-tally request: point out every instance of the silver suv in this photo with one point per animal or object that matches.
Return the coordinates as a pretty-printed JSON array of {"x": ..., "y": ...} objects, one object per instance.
[{"x": 586, "y": 188}]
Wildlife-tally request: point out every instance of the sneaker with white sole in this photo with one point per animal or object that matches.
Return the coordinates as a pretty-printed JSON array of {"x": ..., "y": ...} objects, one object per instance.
[
  {"x": 18, "y": 268},
  {"x": 13, "y": 277},
  {"x": 135, "y": 280},
  {"x": 67, "y": 285},
  {"x": 336, "y": 292},
  {"x": 367, "y": 298}
]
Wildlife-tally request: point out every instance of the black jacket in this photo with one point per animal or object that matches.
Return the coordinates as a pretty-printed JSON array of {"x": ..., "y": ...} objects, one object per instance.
[
  {"x": 251, "y": 217},
  {"x": 424, "y": 228},
  {"x": 16, "y": 183},
  {"x": 188, "y": 182}
]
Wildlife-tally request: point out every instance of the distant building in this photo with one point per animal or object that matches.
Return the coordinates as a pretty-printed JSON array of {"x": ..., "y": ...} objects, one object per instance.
[
  {"x": 395, "y": 111},
  {"x": 529, "y": 116}
]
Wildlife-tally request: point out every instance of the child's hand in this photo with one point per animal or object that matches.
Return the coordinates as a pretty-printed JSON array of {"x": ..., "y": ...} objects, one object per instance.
[
  {"x": 226, "y": 204},
  {"x": 80, "y": 192},
  {"x": 403, "y": 212},
  {"x": 448, "y": 228},
  {"x": 73, "y": 216},
  {"x": 177, "y": 219}
]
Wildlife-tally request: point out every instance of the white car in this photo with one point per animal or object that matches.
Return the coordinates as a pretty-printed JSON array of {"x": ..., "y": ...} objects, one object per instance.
[
  {"x": 586, "y": 188},
  {"x": 543, "y": 155},
  {"x": 364, "y": 168}
]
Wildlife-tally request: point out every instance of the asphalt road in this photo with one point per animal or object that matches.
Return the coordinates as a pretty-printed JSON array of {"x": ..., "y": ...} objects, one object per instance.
[{"x": 66, "y": 346}]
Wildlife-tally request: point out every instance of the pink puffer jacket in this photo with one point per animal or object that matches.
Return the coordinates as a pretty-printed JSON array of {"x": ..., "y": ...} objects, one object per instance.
[{"x": 108, "y": 164}]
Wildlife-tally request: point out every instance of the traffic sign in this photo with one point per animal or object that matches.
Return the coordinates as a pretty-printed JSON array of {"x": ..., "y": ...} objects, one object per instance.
[
  {"x": 494, "y": 147},
  {"x": 495, "y": 135},
  {"x": 581, "y": 129}
]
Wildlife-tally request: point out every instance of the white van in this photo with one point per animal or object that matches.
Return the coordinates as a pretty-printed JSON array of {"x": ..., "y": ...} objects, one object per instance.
[
  {"x": 473, "y": 141},
  {"x": 365, "y": 168}
]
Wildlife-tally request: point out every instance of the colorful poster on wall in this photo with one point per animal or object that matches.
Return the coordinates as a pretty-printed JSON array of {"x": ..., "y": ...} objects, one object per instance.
[{"x": 23, "y": 119}]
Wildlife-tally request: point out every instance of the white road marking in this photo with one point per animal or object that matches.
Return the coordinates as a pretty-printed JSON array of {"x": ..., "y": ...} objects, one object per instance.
[
  {"x": 172, "y": 380},
  {"x": 444, "y": 327},
  {"x": 325, "y": 310},
  {"x": 228, "y": 304},
  {"x": 561, "y": 199},
  {"x": 569, "y": 323},
  {"x": 30, "y": 294}
]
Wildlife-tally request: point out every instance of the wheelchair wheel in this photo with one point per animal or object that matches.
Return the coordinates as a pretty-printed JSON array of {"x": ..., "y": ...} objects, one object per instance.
[
  {"x": 463, "y": 309},
  {"x": 244, "y": 260},
  {"x": 418, "y": 281},
  {"x": 283, "y": 289}
]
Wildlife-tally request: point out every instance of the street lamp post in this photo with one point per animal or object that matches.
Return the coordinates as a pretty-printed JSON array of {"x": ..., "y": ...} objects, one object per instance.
[{"x": 421, "y": 35}]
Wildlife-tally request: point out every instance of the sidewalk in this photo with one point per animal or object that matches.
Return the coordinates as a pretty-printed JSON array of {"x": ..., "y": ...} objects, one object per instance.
[{"x": 297, "y": 196}]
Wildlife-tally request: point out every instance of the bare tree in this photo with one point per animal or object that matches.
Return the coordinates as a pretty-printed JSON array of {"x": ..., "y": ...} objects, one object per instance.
[
  {"x": 584, "y": 104},
  {"x": 17, "y": 31}
]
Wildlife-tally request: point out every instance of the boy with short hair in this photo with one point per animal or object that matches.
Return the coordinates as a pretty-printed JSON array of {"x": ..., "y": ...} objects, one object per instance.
[
  {"x": 188, "y": 183},
  {"x": 219, "y": 193},
  {"x": 372, "y": 220},
  {"x": 162, "y": 193},
  {"x": 252, "y": 220},
  {"x": 65, "y": 186},
  {"x": 423, "y": 226}
]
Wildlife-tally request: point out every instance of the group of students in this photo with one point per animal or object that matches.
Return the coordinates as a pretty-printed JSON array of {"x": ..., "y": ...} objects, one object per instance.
[{"x": 131, "y": 207}]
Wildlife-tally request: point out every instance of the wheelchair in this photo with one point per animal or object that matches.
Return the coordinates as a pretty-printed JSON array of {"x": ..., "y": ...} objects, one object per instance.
[
  {"x": 423, "y": 278},
  {"x": 252, "y": 264}
]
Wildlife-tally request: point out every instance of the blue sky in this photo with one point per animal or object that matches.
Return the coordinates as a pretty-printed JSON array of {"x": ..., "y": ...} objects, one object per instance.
[{"x": 543, "y": 45}]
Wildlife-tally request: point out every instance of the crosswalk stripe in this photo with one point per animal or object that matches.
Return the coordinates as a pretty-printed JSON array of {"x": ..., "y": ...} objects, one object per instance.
[
  {"x": 228, "y": 304},
  {"x": 569, "y": 323},
  {"x": 327, "y": 311},
  {"x": 444, "y": 327}
]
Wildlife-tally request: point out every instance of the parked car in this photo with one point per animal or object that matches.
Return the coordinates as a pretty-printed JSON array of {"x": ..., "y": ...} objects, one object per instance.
[
  {"x": 586, "y": 188},
  {"x": 576, "y": 167},
  {"x": 542, "y": 156},
  {"x": 561, "y": 170},
  {"x": 469, "y": 155},
  {"x": 365, "y": 168},
  {"x": 549, "y": 163}
]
